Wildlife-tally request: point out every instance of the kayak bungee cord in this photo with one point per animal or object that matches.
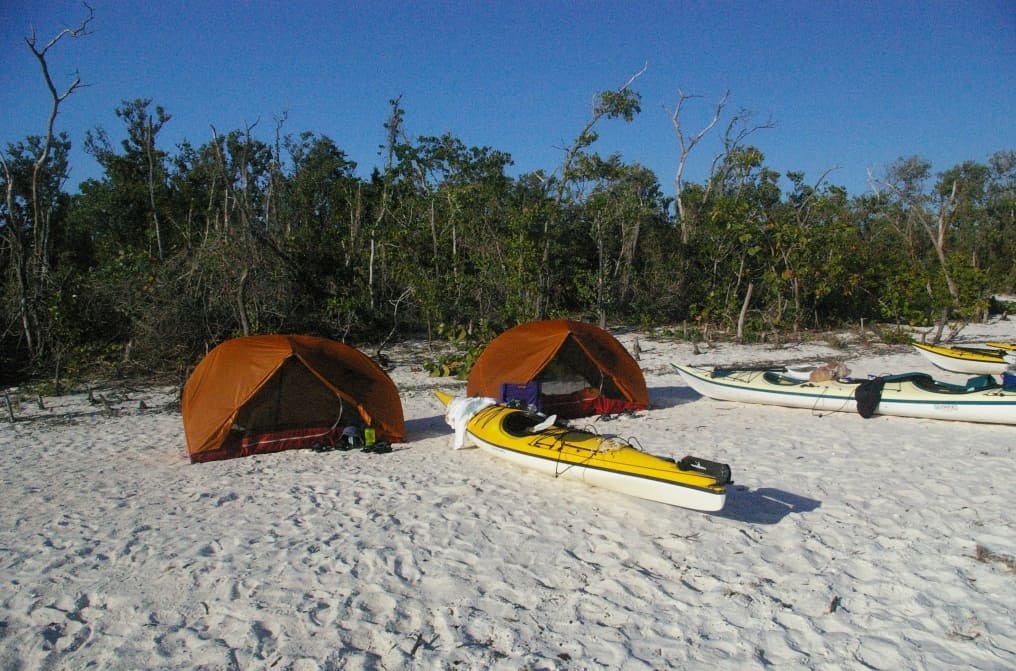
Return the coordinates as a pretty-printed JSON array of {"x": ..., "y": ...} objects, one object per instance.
[
  {"x": 558, "y": 471},
  {"x": 818, "y": 399}
]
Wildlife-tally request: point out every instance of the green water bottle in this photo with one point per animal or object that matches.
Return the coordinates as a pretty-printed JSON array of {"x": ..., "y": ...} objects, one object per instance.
[{"x": 368, "y": 436}]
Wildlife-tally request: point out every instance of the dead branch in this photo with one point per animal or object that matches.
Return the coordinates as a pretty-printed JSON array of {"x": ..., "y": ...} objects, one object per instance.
[
  {"x": 40, "y": 55},
  {"x": 687, "y": 144},
  {"x": 804, "y": 210},
  {"x": 10, "y": 406},
  {"x": 381, "y": 357},
  {"x": 631, "y": 80}
]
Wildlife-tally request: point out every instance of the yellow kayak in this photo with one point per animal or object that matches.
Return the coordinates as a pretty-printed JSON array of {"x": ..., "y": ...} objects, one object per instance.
[
  {"x": 534, "y": 441},
  {"x": 969, "y": 360}
]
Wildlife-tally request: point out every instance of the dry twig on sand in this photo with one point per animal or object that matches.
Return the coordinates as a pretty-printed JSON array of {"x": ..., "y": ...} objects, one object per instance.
[{"x": 983, "y": 554}]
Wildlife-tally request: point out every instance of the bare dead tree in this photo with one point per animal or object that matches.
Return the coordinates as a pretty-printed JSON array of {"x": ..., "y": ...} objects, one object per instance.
[
  {"x": 738, "y": 130},
  {"x": 41, "y": 224},
  {"x": 381, "y": 357},
  {"x": 687, "y": 144},
  {"x": 394, "y": 132},
  {"x": 936, "y": 232},
  {"x": 150, "y": 157},
  {"x": 29, "y": 241},
  {"x": 874, "y": 184}
]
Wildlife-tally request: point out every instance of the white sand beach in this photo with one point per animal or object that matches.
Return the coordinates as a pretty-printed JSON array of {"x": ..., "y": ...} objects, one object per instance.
[{"x": 845, "y": 543}]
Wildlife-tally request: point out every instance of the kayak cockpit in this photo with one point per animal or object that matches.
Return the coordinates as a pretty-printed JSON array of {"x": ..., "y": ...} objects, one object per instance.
[{"x": 521, "y": 424}]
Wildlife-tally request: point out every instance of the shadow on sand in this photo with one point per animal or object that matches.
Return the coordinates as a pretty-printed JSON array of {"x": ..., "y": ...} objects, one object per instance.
[
  {"x": 427, "y": 427},
  {"x": 668, "y": 397},
  {"x": 765, "y": 505}
]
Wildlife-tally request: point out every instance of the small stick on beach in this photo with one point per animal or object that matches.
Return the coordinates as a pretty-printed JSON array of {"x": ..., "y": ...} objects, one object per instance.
[{"x": 983, "y": 554}]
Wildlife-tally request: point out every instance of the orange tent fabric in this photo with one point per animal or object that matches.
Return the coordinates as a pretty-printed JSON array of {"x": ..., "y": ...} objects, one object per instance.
[
  {"x": 258, "y": 385},
  {"x": 521, "y": 354}
]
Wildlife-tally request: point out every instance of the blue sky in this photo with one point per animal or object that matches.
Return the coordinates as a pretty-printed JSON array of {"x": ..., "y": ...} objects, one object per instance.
[{"x": 851, "y": 85}]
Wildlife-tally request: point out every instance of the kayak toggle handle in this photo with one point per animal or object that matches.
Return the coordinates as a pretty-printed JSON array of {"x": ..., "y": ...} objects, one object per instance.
[{"x": 714, "y": 469}]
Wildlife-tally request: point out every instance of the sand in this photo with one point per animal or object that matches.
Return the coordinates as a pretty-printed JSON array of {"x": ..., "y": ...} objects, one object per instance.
[{"x": 845, "y": 543}]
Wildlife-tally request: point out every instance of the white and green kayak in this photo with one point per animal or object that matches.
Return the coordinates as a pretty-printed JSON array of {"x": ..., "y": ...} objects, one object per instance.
[{"x": 981, "y": 399}]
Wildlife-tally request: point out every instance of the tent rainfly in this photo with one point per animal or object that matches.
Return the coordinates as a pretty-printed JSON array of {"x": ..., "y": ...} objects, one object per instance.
[
  {"x": 269, "y": 393},
  {"x": 569, "y": 368}
]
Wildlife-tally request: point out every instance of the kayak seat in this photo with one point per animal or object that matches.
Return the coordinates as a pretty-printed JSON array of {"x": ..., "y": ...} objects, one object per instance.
[
  {"x": 520, "y": 423},
  {"x": 978, "y": 383},
  {"x": 775, "y": 377},
  {"x": 981, "y": 382}
]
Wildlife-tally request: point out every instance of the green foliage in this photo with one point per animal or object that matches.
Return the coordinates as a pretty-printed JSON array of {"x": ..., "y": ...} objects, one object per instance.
[
  {"x": 624, "y": 104},
  {"x": 454, "y": 364},
  {"x": 894, "y": 335},
  {"x": 468, "y": 348},
  {"x": 169, "y": 253},
  {"x": 835, "y": 342}
]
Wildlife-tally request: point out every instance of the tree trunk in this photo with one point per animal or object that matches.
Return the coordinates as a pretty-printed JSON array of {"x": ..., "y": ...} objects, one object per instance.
[
  {"x": 150, "y": 153},
  {"x": 31, "y": 265},
  {"x": 687, "y": 144},
  {"x": 241, "y": 302},
  {"x": 744, "y": 311}
]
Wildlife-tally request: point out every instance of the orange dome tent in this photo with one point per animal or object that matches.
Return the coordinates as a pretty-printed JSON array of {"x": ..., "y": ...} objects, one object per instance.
[
  {"x": 276, "y": 392},
  {"x": 578, "y": 368}
]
